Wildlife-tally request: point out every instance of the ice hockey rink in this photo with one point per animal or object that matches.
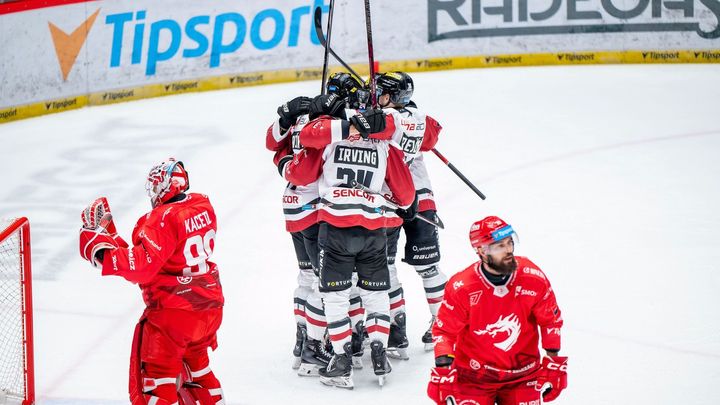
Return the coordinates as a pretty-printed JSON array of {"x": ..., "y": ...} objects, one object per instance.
[{"x": 610, "y": 175}]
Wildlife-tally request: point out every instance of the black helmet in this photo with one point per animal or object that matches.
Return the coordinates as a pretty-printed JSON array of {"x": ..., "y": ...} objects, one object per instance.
[
  {"x": 399, "y": 85},
  {"x": 348, "y": 87}
]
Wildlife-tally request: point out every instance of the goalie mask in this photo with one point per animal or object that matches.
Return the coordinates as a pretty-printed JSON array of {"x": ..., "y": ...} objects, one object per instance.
[{"x": 165, "y": 181}]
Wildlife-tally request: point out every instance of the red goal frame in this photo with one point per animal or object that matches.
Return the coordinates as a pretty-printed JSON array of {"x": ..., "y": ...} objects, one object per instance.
[{"x": 22, "y": 225}]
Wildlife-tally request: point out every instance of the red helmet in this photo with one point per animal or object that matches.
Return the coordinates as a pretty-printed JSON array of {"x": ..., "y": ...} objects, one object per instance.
[
  {"x": 489, "y": 230},
  {"x": 166, "y": 180}
]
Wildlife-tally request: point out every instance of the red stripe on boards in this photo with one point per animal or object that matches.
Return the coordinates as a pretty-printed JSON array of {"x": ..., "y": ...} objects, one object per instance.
[{"x": 27, "y": 5}]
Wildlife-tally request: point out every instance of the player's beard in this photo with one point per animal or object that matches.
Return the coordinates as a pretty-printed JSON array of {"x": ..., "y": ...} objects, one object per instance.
[{"x": 506, "y": 266}]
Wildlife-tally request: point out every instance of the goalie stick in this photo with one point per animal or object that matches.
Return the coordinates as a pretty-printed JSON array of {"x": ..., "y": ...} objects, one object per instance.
[{"x": 362, "y": 187}]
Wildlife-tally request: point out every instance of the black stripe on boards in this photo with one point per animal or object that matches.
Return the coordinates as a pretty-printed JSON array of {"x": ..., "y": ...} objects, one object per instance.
[
  {"x": 361, "y": 207},
  {"x": 435, "y": 289},
  {"x": 395, "y": 293},
  {"x": 339, "y": 324},
  {"x": 375, "y": 315},
  {"x": 316, "y": 311}
]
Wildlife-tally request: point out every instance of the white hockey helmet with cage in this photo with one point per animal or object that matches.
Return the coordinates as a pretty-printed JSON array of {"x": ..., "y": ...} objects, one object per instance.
[{"x": 166, "y": 180}]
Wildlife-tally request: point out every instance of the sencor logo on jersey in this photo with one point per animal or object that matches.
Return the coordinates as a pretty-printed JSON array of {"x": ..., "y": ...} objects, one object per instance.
[{"x": 356, "y": 156}]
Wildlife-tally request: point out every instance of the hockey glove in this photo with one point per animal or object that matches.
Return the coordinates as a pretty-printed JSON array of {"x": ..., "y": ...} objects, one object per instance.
[
  {"x": 92, "y": 244},
  {"x": 98, "y": 215},
  {"x": 369, "y": 122},
  {"x": 441, "y": 388},
  {"x": 409, "y": 213},
  {"x": 327, "y": 104},
  {"x": 552, "y": 378},
  {"x": 290, "y": 111}
]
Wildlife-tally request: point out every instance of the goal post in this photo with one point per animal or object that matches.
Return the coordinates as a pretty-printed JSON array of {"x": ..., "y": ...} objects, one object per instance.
[{"x": 17, "y": 375}]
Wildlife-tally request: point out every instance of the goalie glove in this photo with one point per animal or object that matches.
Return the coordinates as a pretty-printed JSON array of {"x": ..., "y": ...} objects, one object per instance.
[
  {"x": 93, "y": 242},
  {"x": 97, "y": 215},
  {"x": 552, "y": 378}
]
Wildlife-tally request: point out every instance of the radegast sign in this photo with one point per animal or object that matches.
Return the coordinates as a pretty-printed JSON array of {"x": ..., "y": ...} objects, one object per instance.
[{"x": 450, "y": 19}]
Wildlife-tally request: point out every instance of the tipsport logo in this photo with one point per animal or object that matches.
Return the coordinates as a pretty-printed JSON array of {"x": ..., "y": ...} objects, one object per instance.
[
  {"x": 67, "y": 46},
  {"x": 455, "y": 19},
  {"x": 155, "y": 40}
]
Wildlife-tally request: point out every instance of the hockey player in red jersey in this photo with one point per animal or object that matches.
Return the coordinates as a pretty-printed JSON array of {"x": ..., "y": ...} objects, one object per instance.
[
  {"x": 494, "y": 315},
  {"x": 169, "y": 259},
  {"x": 352, "y": 236}
]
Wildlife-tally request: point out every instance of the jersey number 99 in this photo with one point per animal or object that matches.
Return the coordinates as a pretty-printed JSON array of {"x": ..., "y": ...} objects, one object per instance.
[{"x": 197, "y": 251}]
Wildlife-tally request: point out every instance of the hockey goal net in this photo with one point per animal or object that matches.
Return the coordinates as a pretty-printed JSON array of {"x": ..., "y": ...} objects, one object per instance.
[{"x": 17, "y": 385}]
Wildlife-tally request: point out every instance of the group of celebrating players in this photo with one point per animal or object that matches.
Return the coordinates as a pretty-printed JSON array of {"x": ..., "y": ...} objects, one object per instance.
[{"x": 356, "y": 177}]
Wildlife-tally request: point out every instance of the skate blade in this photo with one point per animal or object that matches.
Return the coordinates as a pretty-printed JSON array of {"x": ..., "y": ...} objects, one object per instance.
[
  {"x": 429, "y": 347},
  {"x": 296, "y": 363},
  {"x": 340, "y": 382},
  {"x": 357, "y": 362},
  {"x": 308, "y": 370},
  {"x": 397, "y": 353}
]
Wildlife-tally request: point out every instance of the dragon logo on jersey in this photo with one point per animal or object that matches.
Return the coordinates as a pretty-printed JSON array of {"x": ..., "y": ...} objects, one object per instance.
[{"x": 509, "y": 325}]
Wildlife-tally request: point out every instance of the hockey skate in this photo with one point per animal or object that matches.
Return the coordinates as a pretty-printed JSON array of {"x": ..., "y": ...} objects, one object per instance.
[
  {"x": 397, "y": 341},
  {"x": 427, "y": 338},
  {"x": 381, "y": 364},
  {"x": 358, "y": 349},
  {"x": 300, "y": 336},
  {"x": 338, "y": 372},
  {"x": 313, "y": 357}
]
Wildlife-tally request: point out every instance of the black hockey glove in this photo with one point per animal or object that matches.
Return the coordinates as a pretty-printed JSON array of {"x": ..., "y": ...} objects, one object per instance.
[
  {"x": 327, "y": 104},
  {"x": 410, "y": 212},
  {"x": 290, "y": 111},
  {"x": 369, "y": 122}
]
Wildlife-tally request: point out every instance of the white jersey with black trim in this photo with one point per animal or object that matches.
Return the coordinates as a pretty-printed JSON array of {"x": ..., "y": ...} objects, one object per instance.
[
  {"x": 410, "y": 134},
  {"x": 300, "y": 202},
  {"x": 364, "y": 161}
]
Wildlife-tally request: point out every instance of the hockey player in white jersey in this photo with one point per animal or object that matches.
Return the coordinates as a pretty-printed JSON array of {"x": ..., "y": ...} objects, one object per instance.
[
  {"x": 299, "y": 207},
  {"x": 352, "y": 233},
  {"x": 415, "y": 132}
]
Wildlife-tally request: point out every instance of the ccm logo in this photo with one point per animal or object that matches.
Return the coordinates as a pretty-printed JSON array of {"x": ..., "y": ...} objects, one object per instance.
[
  {"x": 442, "y": 379},
  {"x": 556, "y": 367}
]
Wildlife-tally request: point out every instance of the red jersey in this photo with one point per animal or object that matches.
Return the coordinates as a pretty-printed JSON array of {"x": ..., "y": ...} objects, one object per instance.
[
  {"x": 494, "y": 331},
  {"x": 170, "y": 256}
]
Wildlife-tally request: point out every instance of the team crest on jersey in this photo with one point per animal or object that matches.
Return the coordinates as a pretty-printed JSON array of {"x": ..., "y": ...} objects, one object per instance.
[
  {"x": 508, "y": 327},
  {"x": 475, "y": 365},
  {"x": 184, "y": 280},
  {"x": 475, "y": 298}
]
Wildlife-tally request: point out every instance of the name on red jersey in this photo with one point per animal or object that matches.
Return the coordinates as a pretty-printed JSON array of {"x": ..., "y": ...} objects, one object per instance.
[{"x": 199, "y": 221}]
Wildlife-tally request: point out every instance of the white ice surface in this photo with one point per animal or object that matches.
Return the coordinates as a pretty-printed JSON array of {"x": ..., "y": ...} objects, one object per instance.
[{"x": 610, "y": 174}]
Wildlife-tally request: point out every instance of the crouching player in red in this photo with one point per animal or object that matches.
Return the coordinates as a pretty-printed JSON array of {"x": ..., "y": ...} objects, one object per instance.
[
  {"x": 489, "y": 327},
  {"x": 170, "y": 260}
]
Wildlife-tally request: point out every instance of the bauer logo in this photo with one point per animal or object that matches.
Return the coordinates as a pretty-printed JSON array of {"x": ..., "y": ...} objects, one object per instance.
[
  {"x": 156, "y": 38},
  {"x": 456, "y": 19}
]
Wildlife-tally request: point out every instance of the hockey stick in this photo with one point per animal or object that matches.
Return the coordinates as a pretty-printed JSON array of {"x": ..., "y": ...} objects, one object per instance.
[
  {"x": 371, "y": 58},
  {"x": 362, "y": 187},
  {"x": 327, "y": 44},
  {"x": 457, "y": 172},
  {"x": 323, "y": 42}
]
